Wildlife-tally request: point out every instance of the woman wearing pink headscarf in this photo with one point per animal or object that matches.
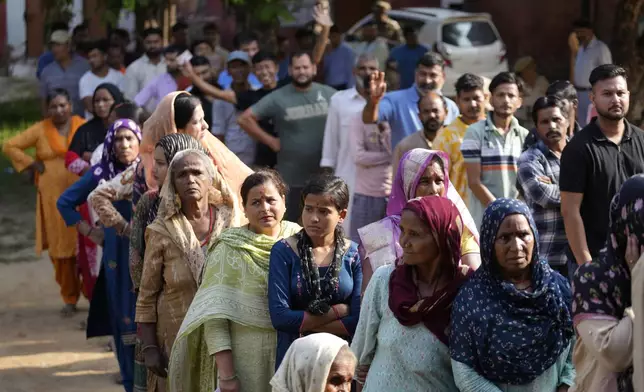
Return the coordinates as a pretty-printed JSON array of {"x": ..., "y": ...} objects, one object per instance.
[{"x": 420, "y": 173}]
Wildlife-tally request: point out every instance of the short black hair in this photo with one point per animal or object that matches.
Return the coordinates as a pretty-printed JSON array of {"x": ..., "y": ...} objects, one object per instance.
[
  {"x": 178, "y": 49},
  {"x": 55, "y": 26},
  {"x": 334, "y": 29},
  {"x": 298, "y": 54},
  {"x": 151, "y": 31},
  {"x": 582, "y": 24},
  {"x": 121, "y": 33},
  {"x": 303, "y": 32},
  {"x": 210, "y": 26},
  {"x": 263, "y": 55},
  {"x": 606, "y": 71},
  {"x": 408, "y": 29},
  {"x": 116, "y": 46},
  {"x": 431, "y": 59},
  {"x": 197, "y": 61},
  {"x": 99, "y": 44},
  {"x": 506, "y": 78},
  {"x": 433, "y": 95},
  {"x": 563, "y": 89},
  {"x": 179, "y": 26},
  {"x": 546, "y": 102},
  {"x": 245, "y": 37},
  {"x": 199, "y": 42},
  {"x": 79, "y": 28},
  {"x": 469, "y": 82},
  {"x": 130, "y": 110}
]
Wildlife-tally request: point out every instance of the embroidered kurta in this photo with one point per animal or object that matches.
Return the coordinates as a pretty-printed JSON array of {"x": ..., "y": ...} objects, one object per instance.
[
  {"x": 51, "y": 232},
  {"x": 400, "y": 358}
]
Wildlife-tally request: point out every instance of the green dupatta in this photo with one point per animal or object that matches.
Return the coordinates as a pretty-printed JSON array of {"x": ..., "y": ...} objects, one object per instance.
[{"x": 234, "y": 287}]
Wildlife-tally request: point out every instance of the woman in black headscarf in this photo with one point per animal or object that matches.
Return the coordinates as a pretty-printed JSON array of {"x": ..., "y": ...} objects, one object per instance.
[{"x": 92, "y": 133}]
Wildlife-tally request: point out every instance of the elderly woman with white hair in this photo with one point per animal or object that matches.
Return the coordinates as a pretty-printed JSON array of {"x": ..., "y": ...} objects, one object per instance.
[
  {"x": 316, "y": 363},
  {"x": 196, "y": 205}
]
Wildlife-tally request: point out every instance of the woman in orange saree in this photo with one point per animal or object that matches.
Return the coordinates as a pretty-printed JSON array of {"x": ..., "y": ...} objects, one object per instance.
[{"x": 51, "y": 138}]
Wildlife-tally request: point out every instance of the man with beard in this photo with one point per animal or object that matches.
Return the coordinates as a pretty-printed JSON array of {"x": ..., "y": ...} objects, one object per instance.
[
  {"x": 471, "y": 99},
  {"x": 99, "y": 73},
  {"x": 491, "y": 147},
  {"x": 147, "y": 67},
  {"x": 298, "y": 112},
  {"x": 164, "y": 84},
  {"x": 538, "y": 176},
  {"x": 345, "y": 112},
  {"x": 432, "y": 110},
  {"x": 400, "y": 108},
  {"x": 596, "y": 162}
]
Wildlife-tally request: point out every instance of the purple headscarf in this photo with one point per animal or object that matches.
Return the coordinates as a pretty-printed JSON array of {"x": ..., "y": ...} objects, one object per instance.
[
  {"x": 411, "y": 168},
  {"x": 109, "y": 166}
]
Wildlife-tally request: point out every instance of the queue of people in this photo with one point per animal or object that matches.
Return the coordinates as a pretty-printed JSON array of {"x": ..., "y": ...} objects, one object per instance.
[{"x": 370, "y": 240}]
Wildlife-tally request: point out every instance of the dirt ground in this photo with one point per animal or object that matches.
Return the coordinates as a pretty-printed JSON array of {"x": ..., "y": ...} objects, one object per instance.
[{"x": 39, "y": 350}]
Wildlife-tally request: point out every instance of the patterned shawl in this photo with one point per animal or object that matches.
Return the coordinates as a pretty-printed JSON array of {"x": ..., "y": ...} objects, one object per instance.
[
  {"x": 444, "y": 221},
  {"x": 307, "y": 364},
  {"x": 146, "y": 208},
  {"x": 171, "y": 222},
  {"x": 508, "y": 335},
  {"x": 234, "y": 287},
  {"x": 380, "y": 239},
  {"x": 602, "y": 287},
  {"x": 109, "y": 166}
]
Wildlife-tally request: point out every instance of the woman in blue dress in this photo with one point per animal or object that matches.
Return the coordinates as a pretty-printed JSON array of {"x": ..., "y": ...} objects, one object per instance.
[
  {"x": 315, "y": 276},
  {"x": 112, "y": 306}
]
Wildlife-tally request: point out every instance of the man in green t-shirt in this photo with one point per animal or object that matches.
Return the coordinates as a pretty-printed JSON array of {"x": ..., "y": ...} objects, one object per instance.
[{"x": 298, "y": 112}]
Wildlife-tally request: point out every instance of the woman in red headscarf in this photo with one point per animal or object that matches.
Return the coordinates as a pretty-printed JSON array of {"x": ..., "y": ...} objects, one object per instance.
[{"x": 402, "y": 337}]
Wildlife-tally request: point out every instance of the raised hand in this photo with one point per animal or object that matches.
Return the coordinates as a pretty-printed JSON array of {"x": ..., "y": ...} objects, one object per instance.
[
  {"x": 377, "y": 86},
  {"x": 321, "y": 14}
]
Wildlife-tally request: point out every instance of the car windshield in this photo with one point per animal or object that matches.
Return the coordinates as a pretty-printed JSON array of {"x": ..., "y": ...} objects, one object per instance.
[{"x": 468, "y": 34}]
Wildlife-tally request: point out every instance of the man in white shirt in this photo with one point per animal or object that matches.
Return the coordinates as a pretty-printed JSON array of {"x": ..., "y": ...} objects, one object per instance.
[
  {"x": 588, "y": 53},
  {"x": 100, "y": 72},
  {"x": 147, "y": 67},
  {"x": 345, "y": 111}
]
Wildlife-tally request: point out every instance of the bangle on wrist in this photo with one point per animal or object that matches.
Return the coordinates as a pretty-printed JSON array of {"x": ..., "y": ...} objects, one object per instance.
[
  {"x": 148, "y": 347},
  {"x": 231, "y": 378}
]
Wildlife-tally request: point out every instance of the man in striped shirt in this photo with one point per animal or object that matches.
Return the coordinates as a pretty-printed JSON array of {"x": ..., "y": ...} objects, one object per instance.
[{"x": 491, "y": 147}]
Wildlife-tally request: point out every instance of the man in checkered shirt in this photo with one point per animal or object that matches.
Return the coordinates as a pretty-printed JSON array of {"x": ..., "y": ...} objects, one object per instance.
[{"x": 538, "y": 175}]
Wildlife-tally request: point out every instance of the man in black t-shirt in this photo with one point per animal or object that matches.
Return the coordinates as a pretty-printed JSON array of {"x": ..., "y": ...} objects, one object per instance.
[
  {"x": 595, "y": 164},
  {"x": 265, "y": 68}
]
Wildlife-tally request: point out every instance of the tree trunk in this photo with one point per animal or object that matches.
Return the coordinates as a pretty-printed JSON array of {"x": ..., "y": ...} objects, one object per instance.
[{"x": 627, "y": 49}]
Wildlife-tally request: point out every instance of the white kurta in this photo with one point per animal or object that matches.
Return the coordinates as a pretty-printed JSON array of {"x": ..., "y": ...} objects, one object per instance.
[{"x": 345, "y": 111}]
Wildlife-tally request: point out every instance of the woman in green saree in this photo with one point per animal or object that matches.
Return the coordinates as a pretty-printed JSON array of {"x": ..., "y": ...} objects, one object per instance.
[{"x": 227, "y": 339}]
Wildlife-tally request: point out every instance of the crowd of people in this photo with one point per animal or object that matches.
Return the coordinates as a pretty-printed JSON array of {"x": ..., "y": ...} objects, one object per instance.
[{"x": 239, "y": 227}]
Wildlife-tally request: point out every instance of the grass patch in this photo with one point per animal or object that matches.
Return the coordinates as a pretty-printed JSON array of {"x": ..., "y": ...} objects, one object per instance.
[{"x": 15, "y": 117}]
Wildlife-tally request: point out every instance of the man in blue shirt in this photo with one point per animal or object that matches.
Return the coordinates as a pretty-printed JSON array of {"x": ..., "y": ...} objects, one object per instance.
[
  {"x": 338, "y": 62},
  {"x": 407, "y": 56},
  {"x": 400, "y": 108}
]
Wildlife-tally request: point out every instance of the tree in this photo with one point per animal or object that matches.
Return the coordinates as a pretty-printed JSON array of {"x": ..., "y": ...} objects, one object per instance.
[{"x": 628, "y": 48}]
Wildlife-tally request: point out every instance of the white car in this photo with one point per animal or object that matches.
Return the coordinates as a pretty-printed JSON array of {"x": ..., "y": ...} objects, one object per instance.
[{"x": 469, "y": 42}]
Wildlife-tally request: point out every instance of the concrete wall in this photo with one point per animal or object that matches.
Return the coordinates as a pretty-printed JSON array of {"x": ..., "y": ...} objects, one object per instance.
[{"x": 16, "y": 34}]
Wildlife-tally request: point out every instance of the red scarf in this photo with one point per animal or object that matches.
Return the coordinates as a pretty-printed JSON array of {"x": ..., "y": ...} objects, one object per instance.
[{"x": 444, "y": 220}]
